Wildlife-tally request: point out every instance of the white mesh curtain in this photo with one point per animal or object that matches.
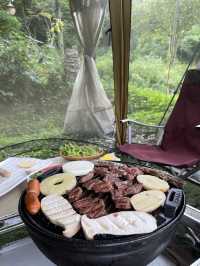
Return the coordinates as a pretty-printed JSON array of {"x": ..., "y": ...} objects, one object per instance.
[{"x": 89, "y": 111}]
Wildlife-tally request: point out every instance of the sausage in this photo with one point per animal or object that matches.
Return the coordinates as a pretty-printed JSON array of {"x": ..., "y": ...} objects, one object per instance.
[
  {"x": 32, "y": 203},
  {"x": 33, "y": 186}
]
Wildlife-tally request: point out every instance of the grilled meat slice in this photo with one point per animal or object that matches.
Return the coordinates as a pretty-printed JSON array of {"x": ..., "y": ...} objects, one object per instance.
[
  {"x": 86, "y": 178},
  {"x": 75, "y": 194},
  {"x": 116, "y": 194},
  {"x": 97, "y": 211},
  {"x": 134, "y": 189},
  {"x": 102, "y": 187},
  {"x": 123, "y": 203},
  {"x": 112, "y": 178},
  {"x": 101, "y": 171},
  {"x": 91, "y": 183},
  {"x": 82, "y": 202}
]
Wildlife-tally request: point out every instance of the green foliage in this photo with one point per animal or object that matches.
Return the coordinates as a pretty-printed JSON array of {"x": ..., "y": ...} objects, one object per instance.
[
  {"x": 148, "y": 97},
  {"x": 189, "y": 43},
  {"x": 31, "y": 61},
  {"x": 192, "y": 194},
  {"x": 147, "y": 105},
  {"x": 157, "y": 22},
  {"x": 22, "y": 59},
  {"x": 149, "y": 72},
  {"x": 24, "y": 64},
  {"x": 8, "y": 23}
]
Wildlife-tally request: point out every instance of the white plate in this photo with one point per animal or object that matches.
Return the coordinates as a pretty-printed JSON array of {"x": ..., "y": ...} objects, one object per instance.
[
  {"x": 17, "y": 174},
  {"x": 78, "y": 168}
]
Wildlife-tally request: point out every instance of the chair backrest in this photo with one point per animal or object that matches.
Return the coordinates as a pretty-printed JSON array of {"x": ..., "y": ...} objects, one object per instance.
[{"x": 180, "y": 130}]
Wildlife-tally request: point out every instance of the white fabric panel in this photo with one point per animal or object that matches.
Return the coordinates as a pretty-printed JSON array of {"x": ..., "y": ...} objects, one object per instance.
[{"x": 89, "y": 111}]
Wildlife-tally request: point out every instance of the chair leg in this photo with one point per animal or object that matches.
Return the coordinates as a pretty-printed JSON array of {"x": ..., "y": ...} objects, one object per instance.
[{"x": 129, "y": 134}]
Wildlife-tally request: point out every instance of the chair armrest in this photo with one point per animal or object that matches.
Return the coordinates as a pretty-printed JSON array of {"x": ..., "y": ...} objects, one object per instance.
[{"x": 130, "y": 121}]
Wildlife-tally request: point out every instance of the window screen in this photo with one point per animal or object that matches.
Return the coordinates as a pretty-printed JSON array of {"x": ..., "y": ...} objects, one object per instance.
[{"x": 40, "y": 57}]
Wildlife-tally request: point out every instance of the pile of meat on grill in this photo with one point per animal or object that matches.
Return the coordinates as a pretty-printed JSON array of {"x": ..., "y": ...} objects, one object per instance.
[{"x": 105, "y": 190}]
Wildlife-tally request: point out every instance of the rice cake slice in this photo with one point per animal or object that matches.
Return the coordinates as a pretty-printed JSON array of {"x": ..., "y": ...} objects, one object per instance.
[
  {"x": 60, "y": 212},
  {"x": 120, "y": 223},
  {"x": 148, "y": 201},
  {"x": 151, "y": 182}
]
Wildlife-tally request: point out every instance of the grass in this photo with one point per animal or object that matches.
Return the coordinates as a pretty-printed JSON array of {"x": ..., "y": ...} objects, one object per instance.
[
  {"x": 192, "y": 194},
  {"x": 27, "y": 122}
]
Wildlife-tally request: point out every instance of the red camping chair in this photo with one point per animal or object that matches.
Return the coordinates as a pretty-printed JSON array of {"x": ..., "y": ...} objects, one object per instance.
[{"x": 180, "y": 145}]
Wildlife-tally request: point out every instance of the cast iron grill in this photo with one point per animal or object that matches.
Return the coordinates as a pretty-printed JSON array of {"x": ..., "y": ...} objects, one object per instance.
[{"x": 104, "y": 250}]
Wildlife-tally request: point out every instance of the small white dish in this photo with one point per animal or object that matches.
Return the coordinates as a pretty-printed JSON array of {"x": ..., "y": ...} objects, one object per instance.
[{"x": 78, "y": 168}]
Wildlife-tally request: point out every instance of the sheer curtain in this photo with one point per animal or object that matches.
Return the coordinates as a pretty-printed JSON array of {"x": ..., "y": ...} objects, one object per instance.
[{"x": 89, "y": 112}]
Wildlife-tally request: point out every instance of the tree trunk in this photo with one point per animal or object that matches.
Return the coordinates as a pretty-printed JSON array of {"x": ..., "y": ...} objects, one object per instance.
[
  {"x": 27, "y": 4},
  {"x": 19, "y": 5},
  {"x": 60, "y": 41}
]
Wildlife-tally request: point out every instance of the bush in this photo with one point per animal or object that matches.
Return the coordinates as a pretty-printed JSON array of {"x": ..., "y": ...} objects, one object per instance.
[
  {"x": 147, "y": 105},
  {"x": 189, "y": 44},
  {"x": 26, "y": 68},
  {"x": 8, "y": 23},
  {"x": 156, "y": 46},
  {"x": 145, "y": 72},
  {"x": 152, "y": 73}
]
